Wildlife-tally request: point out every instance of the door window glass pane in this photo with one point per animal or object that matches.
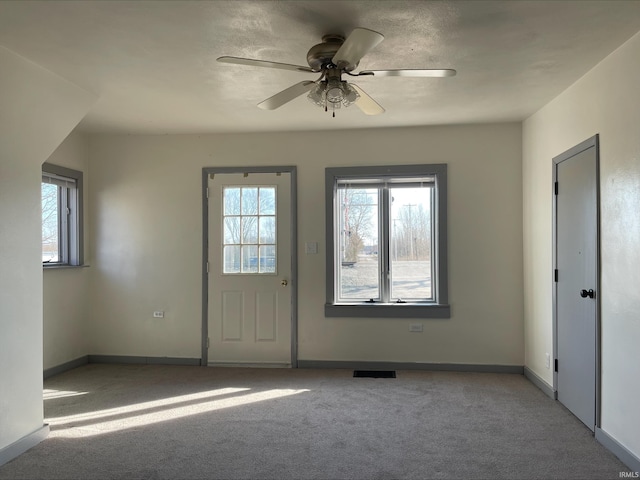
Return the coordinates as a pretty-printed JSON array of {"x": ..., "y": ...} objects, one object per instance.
[
  {"x": 268, "y": 230},
  {"x": 267, "y": 201},
  {"x": 231, "y": 201},
  {"x": 231, "y": 259},
  {"x": 268, "y": 259},
  {"x": 249, "y": 201},
  {"x": 232, "y": 230},
  {"x": 249, "y": 229},
  {"x": 249, "y": 259}
]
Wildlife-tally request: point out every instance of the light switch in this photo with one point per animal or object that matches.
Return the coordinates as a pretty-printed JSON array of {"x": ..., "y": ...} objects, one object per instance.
[{"x": 311, "y": 248}]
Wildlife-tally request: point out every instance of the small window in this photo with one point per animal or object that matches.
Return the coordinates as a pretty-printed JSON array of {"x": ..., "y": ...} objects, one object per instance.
[
  {"x": 386, "y": 244},
  {"x": 61, "y": 216},
  {"x": 249, "y": 230}
]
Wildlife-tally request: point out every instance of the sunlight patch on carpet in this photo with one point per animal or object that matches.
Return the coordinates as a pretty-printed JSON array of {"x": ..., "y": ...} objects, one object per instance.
[
  {"x": 51, "y": 394},
  {"x": 133, "y": 416}
]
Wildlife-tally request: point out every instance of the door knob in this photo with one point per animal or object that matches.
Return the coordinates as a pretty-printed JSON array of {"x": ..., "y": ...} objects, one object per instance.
[
  {"x": 284, "y": 283},
  {"x": 587, "y": 293}
]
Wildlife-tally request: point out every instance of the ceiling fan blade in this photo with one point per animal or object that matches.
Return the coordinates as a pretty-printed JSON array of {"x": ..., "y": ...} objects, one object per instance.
[
  {"x": 264, "y": 63},
  {"x": 410, "y": 72},
  {"x": 355, "y": 47},
  {"x": 367, "y": 104},
  {"x": 286, "y": 95}
]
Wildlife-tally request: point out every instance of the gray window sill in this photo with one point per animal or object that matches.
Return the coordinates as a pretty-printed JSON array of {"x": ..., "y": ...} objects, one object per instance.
[
  {"x": 60, "y": 266},
  {"x": 388, "y": 310}
]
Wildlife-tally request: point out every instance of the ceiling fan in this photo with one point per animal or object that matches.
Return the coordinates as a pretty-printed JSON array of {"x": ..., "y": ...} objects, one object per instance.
[{"x": 332, "y": 58}]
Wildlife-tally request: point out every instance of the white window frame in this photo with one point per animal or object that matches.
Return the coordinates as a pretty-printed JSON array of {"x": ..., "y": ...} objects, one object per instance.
[
  {"x": 70, "y": 214},
  {"x": 438, "y": 306}
]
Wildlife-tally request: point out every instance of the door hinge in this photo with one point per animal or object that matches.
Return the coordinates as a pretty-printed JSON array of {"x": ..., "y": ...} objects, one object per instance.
[
  {"x": 207, "y": 267},
  {"x": 208, "y": 342},
  {"x": 555, "y": 365},
  {"x": 207, "y": 192},
  {"x": 555, "y": 275},
  {"x": 555, "y": 187}
]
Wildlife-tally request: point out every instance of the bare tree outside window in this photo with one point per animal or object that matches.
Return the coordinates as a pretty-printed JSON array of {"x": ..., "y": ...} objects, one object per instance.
[
  {"x": 358, "y": 243},
  {"x": 359, "y": 210}
]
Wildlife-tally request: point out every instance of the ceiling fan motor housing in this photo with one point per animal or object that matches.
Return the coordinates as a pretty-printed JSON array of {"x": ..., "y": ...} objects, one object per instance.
[{"x": 320, "y": 55}]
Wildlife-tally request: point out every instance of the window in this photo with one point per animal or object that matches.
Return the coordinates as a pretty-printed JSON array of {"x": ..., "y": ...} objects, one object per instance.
[
  {"x": 61, "y": 216},
  {"x": 249, "y": 218},
  {"x": 387, "y": 241}
]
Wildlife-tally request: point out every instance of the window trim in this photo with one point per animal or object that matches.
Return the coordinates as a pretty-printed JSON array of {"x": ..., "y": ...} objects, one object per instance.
[
  {"x": 74, "y": 241},
  {"x": 439, "y": 308}
]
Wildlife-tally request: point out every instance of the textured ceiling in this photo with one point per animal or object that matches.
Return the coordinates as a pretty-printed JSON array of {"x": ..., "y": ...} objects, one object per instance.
[{"x": 153, "y": 66}]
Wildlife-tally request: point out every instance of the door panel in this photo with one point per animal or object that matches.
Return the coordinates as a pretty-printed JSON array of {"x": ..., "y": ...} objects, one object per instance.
[
  {"x": 577, "y": 264},
  {"x": 266, "y": 316},
  {"x": 249, "y": 304},
  {"x": 232, "y": 316}
]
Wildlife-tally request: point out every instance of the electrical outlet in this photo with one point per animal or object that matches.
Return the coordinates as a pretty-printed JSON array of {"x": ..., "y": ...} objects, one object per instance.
[
  {"x": 158, "y": 314},
  {"x": 547, "y": 361},
  {"x": 416, "y": 327}
]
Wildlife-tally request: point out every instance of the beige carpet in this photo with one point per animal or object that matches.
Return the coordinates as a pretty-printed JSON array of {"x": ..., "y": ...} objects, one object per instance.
[{"x": 158, "y": 422}]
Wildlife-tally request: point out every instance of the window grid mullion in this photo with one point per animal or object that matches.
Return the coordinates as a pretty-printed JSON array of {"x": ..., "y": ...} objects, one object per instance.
[
  {"x": 434, "y": 245},
  {"x": 63, "y": 216},
  {"x": 67, "y": 228},
  {"x": 383, "y": 241},
  {"x": 61, "y": 249}
]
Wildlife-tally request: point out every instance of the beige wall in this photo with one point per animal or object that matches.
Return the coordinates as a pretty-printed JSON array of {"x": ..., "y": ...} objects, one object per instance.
[
  {"x": 605, "y": 101},
  {"x": 37, "y": 111},
  {"x": 146, "y": 219},
  {"x": 66, "y": 291}
]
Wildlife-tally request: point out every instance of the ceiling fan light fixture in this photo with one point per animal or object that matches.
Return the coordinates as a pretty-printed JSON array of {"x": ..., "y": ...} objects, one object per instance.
[
  {"x": 333, "y": 94},
  {"x": 334, "y": 91},
  {"x": 317, "y": 94},
  {"x": 351, "y": 96}
]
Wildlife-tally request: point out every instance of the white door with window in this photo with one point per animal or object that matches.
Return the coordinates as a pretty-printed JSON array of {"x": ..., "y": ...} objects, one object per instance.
[{"x": 249, "y": 304}]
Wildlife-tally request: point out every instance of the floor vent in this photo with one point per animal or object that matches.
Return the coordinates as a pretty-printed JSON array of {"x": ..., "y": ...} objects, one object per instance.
[{"x": 374, "y": 373}]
